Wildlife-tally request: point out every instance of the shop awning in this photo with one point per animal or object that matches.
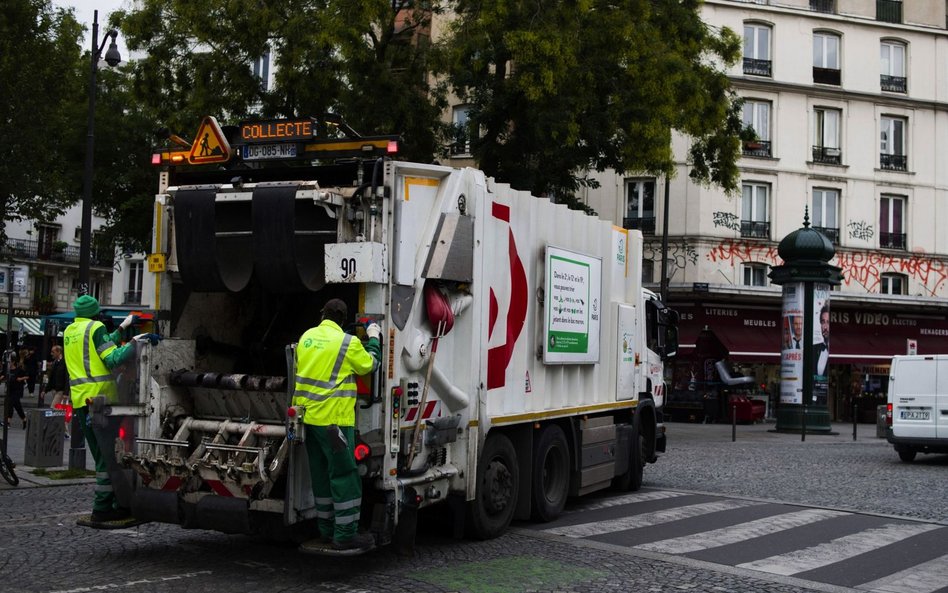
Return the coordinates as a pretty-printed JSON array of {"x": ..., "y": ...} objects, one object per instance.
[
  {"x": 24, "y": 325},
  {"x": 869, "y": 348},
  {"x": 744, "y": 344},
  {"x": 64, "y": 319}
]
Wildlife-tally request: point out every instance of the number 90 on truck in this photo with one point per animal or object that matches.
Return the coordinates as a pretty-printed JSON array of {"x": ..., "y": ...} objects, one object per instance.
[{"x": 522, "y": 358}]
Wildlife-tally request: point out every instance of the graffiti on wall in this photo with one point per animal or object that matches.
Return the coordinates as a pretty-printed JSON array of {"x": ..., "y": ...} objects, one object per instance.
[
  {"x": 860, "y": 268},
  {"x": 726, "y": 219},
  {"x": 680, "y": 253},
  {"x": 860, "y": 229}
]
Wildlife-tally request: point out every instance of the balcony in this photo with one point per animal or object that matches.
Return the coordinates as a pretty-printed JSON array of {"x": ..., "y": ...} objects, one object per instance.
[
  {"x": 461, "y": 142},
  {"x": 827, "y": 6},
  {"x": 889, "y": 11},
  {"x": 132, "y": 297},
  {"x": 757, "y": 148},
  {"x": 831, "y": 234},
  {"x": 826, "y": 76},
  {"x": 756, "y": 67},
  {"x": 24, "y": 249},
  {"x": 892, "y": 240},
  {"x": 893, "y": 162},
  {"x": 753, "y": 229},
  {"x": 893, "y": 84},
  {"x": 827, "y": 155},
  {"x": 646, "y": 224}
]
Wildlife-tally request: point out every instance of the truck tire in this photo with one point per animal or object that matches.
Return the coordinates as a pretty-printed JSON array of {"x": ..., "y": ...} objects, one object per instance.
[
  {"x": 907, "y": 454},
  {"x": 550, "y": 474},
  {"x": 495, "y": 500},
  {"x": 631, "y": 479}
]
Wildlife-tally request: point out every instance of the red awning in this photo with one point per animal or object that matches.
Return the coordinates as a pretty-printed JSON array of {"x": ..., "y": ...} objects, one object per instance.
[
  {"x": 873, "y": 348},
  {"x": 744, "y": 344}
]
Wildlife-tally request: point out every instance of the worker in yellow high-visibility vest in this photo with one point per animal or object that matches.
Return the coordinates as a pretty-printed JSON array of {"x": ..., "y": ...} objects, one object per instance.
[
  {"x": 91, "y": 353},
  {"x": 327, "y": 362}
]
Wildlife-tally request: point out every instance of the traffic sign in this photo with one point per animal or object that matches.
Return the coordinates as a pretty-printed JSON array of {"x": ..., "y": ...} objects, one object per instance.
[{"x": 210, "y": 145}]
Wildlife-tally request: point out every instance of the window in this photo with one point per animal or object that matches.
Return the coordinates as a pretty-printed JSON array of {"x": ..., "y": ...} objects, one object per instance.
[
  {"x": 891, "y": 222},
  {"x": 756, "y": 115},
  {"x": 757, "y": 49},
  {"x": 827, "y": 6},
  {"x": 754, "y": 274},
  {"x": 94, "y": 289},
  {"x": 648, "y": 271},
  {"x": 826, "y": 136},
  {"x": 640, "y": 205},
  {"x": 755, "y": 222},
  {"x": 47, "y": 237},
  {"x": 261, "y": 70},
  {"x": 892, "y": 67},
  {"x": 893, "y": 284},
  {"x": 462, "y": 134},
  {"x": 826, "y": 58},
  {"x": 44, "y": 301},
  {"x": 892, "y": 144},
  {"x": 889, "y": 11},
  {"x": 133, "y": 296},
  {"x": 825, "y": 208}
]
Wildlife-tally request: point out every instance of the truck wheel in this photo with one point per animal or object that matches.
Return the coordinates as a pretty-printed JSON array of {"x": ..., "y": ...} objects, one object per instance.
[
  {"x": 550, "y": 474},
  {"x": 495, "y": 501},
  {"x": 907, "y": 455},
  {"x": 631, "y": 479}
]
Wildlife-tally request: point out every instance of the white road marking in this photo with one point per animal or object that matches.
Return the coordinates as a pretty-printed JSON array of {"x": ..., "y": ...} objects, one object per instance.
[
  {"x": 626, "y": 499},
  {"x": 136, "y": 583},
  {"x": 921, "y": 578},
  {"x": 648, "y": 519},
  {"x": 837, "y": 550},
  {"x": 741, "y": 532}
]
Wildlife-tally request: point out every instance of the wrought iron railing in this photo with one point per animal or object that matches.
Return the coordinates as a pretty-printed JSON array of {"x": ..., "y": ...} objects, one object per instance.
[
  {"x": 757, "y": 148},
  {"x": 889, "y": 11},
  {"x": 757, "y": 67},
  {"x": 826, "y": 154},
  {"x": 33, "y": 250},
  {"x": 755, "y": 229},
  {"x": 132, "y": 297},
  {"x": 831, "y": 233},
  {"x": 893, "y": 84},
  {"x": 893, "y": 162},
  {"x": 892, "y": 240},
  {"x": 461, "y": 141},
  {"x": 646, "y": 224},
  {"x": 827, "y": 6},
  {"x": 826, "y": 75}
]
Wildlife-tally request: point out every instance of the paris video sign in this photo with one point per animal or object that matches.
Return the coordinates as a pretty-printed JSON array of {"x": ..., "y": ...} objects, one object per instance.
[{"x": 572, "y": 307}]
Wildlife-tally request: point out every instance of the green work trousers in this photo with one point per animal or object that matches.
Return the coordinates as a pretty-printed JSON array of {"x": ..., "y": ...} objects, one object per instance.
[
  {"x": 104, "y": 495},
  {"x": 337, "y": 486}
]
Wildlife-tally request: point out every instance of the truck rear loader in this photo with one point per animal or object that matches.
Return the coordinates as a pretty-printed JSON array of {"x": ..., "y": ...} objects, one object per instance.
[{"x": 522, "y": 359}]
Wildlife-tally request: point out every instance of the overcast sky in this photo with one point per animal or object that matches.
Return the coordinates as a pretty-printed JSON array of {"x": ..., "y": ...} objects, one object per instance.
[{"x": 84, "y": 9}]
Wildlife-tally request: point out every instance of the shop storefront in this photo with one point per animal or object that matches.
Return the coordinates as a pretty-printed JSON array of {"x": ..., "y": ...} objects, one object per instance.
[{"x": 862, "y": 343}]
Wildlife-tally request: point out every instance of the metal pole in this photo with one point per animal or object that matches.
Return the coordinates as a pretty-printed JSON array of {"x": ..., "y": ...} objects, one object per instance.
[
  {"x": 7, "y": 404},
  {"x": 85, "y": 238},
  {"x": 807, "y": 353},
  {"x": 664, "y": 283},
  {"x": 733, "y": 422},
  {"x": 855, "y": 404}
]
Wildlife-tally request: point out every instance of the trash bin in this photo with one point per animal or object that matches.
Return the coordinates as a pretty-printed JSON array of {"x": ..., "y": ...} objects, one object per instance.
[
  {"x": 45, "y": 429},
  {"x": 880, "y": 421}
]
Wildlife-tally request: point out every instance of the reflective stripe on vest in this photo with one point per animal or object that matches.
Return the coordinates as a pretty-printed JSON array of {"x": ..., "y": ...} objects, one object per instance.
[{"x": 88, "y": 375}]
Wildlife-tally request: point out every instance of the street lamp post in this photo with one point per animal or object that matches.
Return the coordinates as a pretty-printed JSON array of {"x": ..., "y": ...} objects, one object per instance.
[{"x": 77, "y": 451}]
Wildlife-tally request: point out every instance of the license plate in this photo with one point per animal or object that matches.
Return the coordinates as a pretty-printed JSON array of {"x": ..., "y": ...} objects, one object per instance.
[
  {"x": 261, "y": 152},
  {"x": 915, "y": 414}
]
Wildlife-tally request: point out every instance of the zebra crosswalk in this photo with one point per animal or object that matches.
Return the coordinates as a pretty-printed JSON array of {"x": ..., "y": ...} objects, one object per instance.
[{"x": 864, "y": 552}]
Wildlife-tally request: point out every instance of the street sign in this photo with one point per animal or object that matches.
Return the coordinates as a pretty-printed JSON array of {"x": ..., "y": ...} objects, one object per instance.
[{"x": 911, "y": 347}]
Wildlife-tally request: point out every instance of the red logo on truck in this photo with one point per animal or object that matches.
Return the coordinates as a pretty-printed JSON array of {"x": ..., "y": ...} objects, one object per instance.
[{"x": 498, "y": 357}]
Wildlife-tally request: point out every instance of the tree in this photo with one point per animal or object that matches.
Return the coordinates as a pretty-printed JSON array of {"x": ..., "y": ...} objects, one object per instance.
[
  {"x": 362, "y": 59},
  {"x": 40, "y": 111},
  {"x": 559, "y": 88}
]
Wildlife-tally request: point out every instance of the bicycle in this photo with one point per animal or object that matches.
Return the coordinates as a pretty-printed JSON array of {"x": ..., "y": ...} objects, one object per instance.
[{"x": 7, "y": 466}]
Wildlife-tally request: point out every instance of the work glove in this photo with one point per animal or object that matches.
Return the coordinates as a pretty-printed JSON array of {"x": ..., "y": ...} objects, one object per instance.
[
  {"x": 130, "y": 320},
  {"x": 373, "y": 331},
  {"x": 151, "y": 338}
]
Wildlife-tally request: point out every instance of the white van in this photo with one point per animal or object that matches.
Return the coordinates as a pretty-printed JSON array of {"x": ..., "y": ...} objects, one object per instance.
[{"x": 917, "y": 412}]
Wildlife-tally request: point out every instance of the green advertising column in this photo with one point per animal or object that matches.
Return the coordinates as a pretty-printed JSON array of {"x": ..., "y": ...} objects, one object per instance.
[{"x": 806, "y": 277}]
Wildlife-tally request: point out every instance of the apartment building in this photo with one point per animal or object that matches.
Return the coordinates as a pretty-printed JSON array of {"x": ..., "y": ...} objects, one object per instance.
[{"x": 849, "y": 102}]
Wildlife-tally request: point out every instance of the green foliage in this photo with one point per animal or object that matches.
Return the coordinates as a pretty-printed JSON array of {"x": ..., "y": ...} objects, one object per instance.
[
  {"x": 558, "y": 88},
  {"x": 40, "y": 111},
  {"x": 362, "y": 59}
]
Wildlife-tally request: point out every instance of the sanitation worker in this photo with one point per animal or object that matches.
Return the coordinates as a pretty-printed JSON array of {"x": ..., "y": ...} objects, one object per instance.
[
  {"x": 91, "y": 353},
  {"x": 327, "y": 362}
]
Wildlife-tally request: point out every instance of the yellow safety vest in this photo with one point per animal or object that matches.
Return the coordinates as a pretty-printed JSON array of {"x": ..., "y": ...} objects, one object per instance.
[
  {"x": 327, "y": 362},
  {"x": 88, "y": 375}
]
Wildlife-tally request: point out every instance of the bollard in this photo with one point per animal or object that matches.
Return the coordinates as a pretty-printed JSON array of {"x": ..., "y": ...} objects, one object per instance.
[
  {"x": 854, "y": 419},
  {"x": 733, "y": 422}
]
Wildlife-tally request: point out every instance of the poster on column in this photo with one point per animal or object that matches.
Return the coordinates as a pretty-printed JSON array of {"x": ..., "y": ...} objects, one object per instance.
[
  {"x": 821, "y": 350},
  {"x": 791, "y": 348}
]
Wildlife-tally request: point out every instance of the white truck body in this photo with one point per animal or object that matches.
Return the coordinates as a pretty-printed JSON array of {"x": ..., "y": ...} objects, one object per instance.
[
  {"x": 918, "y": 405},
  {"x": 554, "y": 345}
]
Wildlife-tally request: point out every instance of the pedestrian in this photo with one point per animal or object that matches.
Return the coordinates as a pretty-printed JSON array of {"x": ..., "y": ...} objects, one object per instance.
[
  {"x": 16, "y": 381},
  {"x": 91, "y": 354},
  {"x": 31, "y": 363},
  {"x": 327, "y": 361},
  {"x": 56, "y": 382}
]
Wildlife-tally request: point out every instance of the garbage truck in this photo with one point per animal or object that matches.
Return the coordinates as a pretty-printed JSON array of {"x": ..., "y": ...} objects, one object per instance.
[{"x": 522, "y": 358}]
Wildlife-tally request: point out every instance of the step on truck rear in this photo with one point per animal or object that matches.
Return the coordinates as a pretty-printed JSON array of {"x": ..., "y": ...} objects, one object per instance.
[{"x": 522, "y": 359}]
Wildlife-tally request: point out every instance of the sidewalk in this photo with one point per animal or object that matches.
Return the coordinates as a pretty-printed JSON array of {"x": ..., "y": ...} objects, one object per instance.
[
  {"x": 764, "y": 432},
  {"x": 16, "y": 447}
]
